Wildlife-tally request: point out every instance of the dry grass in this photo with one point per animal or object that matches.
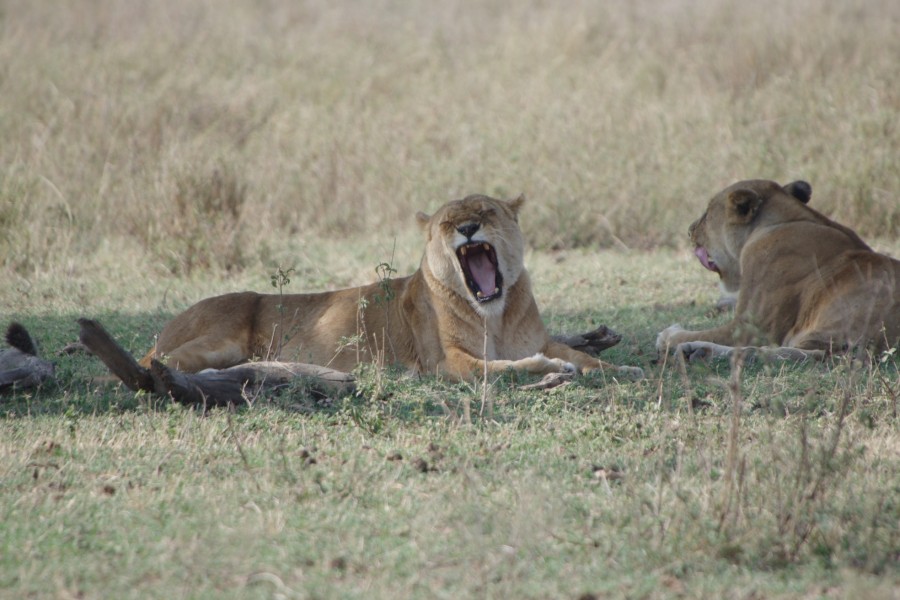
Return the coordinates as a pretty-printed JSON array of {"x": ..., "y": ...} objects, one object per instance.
[{"x": 617, "y": 120}]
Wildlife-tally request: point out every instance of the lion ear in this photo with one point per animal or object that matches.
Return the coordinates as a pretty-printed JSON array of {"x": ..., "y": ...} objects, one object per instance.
[
  {"x": 800, "y": 190},
  {"x": 422, "y": 219},
  {"x": 744, "y": 205},
  {"x": 516, "y": 205}
]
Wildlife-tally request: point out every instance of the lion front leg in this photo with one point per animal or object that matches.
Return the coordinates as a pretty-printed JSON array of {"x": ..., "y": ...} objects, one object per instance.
[
  {"x": 669, "y": 338},
  {"x": 463, "y": 366},
  {"x": 693, "y": 351},
  {"x": 696, "y": 351},
  {"x": 538, "y": 364},
  {"x": 692, "y": 346}
]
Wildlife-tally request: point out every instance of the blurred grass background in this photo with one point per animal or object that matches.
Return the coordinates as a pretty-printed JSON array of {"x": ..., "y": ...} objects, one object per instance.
[{"x": 178, "y": 136}]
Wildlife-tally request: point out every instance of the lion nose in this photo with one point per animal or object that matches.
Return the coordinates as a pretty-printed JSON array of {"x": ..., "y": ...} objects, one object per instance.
[{"x": 468, "y": 229}]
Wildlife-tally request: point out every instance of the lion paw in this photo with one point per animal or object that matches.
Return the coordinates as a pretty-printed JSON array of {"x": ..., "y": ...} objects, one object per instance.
[
  {"x": 563, "y": 366},
  {"x": 542, "y": 364}
]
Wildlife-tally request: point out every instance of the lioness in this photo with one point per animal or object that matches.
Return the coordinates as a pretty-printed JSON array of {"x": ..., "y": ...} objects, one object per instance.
[
  {"x": 805, "y": 284},
  {"x": 469, "y": 300}
]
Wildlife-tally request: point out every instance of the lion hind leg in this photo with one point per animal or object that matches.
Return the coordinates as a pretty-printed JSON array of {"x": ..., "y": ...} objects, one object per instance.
[
  {"x": 207, "y": 352},
  {"x": 671, "y": 337},
  {"x": 148, "y": 358}
]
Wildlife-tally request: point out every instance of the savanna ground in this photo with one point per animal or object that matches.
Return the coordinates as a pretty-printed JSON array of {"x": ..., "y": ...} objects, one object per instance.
[{"x": 156, "y": 153}]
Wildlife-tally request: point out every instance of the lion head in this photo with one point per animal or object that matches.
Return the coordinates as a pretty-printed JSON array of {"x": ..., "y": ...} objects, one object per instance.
[
  {"x": 720, "y": 234},
  {"x": 475, "y": 246}
]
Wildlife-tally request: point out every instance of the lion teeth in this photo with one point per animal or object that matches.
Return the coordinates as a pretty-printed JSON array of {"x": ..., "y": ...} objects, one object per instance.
[
  {"x": 479, "y": 295},
  {"x": 496, "y": 290},
  {"x": 463, "y": 250},
  {"x": 486, "y": 246}
]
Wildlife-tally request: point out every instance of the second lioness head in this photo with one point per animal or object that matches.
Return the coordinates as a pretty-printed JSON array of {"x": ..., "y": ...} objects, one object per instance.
[{"x": 732, "y": 214}]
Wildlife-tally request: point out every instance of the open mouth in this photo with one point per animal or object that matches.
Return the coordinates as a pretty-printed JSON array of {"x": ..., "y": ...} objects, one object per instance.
[
  {"x": 479, "y": 264},
  {"x": 705, "y": 260}
]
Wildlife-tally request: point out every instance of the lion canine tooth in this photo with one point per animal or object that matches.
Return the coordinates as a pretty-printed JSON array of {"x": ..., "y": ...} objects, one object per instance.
[
  {"x": 479, "y": 295},
  {"x": 463, "y": 250},
  {"x": 496, "y": 290},
  {"x": 486, "y": 246}
]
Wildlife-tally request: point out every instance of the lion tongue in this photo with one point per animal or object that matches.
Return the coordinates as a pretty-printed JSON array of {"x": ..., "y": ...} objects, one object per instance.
[
  {"x": 484, "y": 273},
  {"x": 701, "y": 253}
]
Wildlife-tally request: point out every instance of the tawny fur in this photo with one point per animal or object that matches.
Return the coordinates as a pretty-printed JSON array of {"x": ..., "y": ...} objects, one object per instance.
[
  {"x": 804, "y": 281},
  {"x": 428, "y": 322}
]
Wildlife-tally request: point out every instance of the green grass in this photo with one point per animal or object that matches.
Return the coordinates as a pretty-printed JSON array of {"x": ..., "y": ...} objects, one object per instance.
[
  {"x": 415, "y": 488},
  {"x": 157, "y": 153}
]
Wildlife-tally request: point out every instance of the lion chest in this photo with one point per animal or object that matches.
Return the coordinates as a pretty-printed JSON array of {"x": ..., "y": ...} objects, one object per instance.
[{"x": 498, "y": 340}]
